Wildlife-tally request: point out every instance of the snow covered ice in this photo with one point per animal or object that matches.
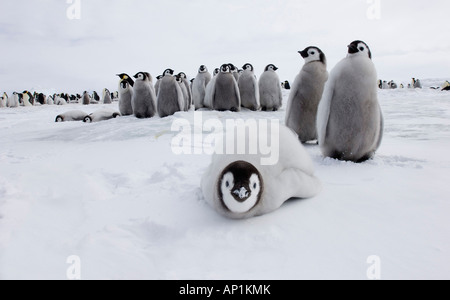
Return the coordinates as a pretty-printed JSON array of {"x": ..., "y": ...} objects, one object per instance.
[{"x": 114, "y": 194}]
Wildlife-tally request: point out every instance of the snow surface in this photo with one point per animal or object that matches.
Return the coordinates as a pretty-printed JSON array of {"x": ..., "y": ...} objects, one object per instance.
[{"x": 113, "y": 194}]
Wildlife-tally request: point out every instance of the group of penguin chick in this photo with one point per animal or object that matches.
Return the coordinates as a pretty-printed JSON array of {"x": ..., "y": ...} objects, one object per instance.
[
  {"x": 340, "y": 110},
  {"x": 226, "y": 90}
]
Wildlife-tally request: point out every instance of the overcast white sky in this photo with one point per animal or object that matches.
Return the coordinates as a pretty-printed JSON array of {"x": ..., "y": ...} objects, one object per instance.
[{"x": 42, "y": 48}]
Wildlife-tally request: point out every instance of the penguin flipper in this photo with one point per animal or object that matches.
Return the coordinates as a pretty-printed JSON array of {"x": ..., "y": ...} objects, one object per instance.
[
  {"x": 296, "y": 184},
  {"x": 237, "y": 95},
  {"x": 323, "y": 113}
]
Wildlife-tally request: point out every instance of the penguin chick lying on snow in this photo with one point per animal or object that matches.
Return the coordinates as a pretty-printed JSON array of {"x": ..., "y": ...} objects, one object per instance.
[{"x": 241, "y": 186}]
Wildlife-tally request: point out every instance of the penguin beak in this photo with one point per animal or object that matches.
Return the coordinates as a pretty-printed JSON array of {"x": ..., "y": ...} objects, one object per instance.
[
  {"x": 241, "y": 193},
  {"x": 352, "y": 49},
  {"x": 303, "y": 53},
  {"x": 275, "y": 68}
]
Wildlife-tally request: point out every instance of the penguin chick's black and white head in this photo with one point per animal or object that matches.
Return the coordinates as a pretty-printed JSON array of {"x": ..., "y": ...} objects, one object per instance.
[
  {"x": 124, "y": 76},
  {"x": 143, "y": 76},
  {"x": 240, "y": 187},
  {"x": 225, "y": 69},
  {"x": 232, "y": 67},
  {"x": 182, "y": 75},
  {"x": 359, "y": 48},
  {"x": 313, "y": 54},
  {"x": 248, "y": 67},
  {"x": 216, "y": 71},
  {"x": 159, "y": 77},
  {"x": 124, "y": 84},
  {"x": 168, "y": 72},
  {"x": 203, "y": 69},
  {"x": 270, "y": 67}
]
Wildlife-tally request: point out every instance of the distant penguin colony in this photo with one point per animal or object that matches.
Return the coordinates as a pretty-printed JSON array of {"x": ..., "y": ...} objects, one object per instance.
[
  {"x": 350, "y": 121},
  {"x": 306, "y": 93}
]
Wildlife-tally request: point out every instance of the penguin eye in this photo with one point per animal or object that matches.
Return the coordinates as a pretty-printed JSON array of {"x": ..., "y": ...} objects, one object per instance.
[
  {"x": 312, "y": 52},
  {"x": 255, "y": 185},
  {"x": 361, "y": 48},
  {"x": 227, "y": 184}
]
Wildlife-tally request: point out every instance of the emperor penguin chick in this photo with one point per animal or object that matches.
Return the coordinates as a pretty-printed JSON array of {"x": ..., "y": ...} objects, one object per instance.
[
  {"x": 240, "y": 186},
  {"x": 306, "y": 93},
  {"x": 125, "y": 97},
  {"x": 270, "y": 95},
  {"x": 225, "y": 95},
  {"x": 248, "y": 88},
  {"x": 199, "y": 86},
  {"x": 144, "y": 98},
  {"x": 170, "y": 97},
  {"x": 350, "y": 122}
]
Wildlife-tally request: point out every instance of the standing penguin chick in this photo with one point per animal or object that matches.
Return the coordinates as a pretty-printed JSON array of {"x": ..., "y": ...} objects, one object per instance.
[
  {"x": 248, "y": 88},
  {"x": 144, "y": 97},
  {"x": 350, "y": 121},
  {"x": 199, "y": 86},
  {"x": 107, "y": 96},
  {"x": 306, "y": 93},
  {"x": 270, "y": 95},
  {"x": 86, "y": 98},
  {"x": 225, "y": 95},
  {"x": 125, "y": 98},
  {"x": 240, "y": 186},
  {"x": 170, "y": 98},
  {"x": 188, "y": 98},
  {"x": 13, "y": 102}
]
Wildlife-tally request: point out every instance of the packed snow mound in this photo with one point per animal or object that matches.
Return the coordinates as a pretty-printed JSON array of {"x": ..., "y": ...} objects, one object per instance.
[{"x": 114, "y": 194}]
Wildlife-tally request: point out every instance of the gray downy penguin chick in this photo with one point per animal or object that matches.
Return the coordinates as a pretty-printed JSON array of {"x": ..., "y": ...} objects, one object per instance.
[
  {"x": 270, "y": 94},
  {"x": 125, "y": 98},
  {"x": 13, "y": 102},
  {"x": 86, "y": 98},
  {"x": 50, "y": 100},
  {"x": 225, "y": 94},
  {"x": 70, "y": 116},
  {"x": 101, "y": 115},
  {"x": 144, "y": 97},
  {"x": 350, "y": 122},
  {"x": 107, "y": 96},
  {"x": 199, "y": 86},
  {"x": 210, "y": 90},
  {"x": 240, "y": 186},
  {"x": 170, "y": 98},
  {"x": 306, "y": 93},
  {"x": 248, "y": 88},
  {"x": 188, "y": 99}
]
